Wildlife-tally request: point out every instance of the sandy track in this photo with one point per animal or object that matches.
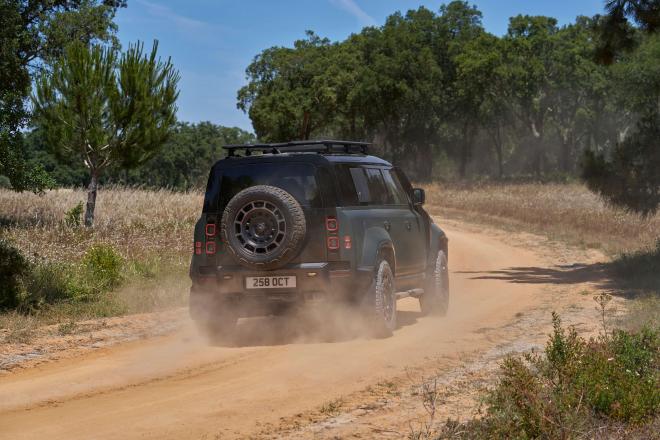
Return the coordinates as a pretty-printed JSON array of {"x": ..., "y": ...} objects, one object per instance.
[{"x": 180, "y": 387}]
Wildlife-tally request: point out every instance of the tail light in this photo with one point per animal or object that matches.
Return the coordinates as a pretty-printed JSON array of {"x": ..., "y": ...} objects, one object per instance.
[
  {"x": 332, "y": 227},
  {"x": 348, "y": 243},
  {"x": 209, "y": 246},
  {"x": 210, "y": 230},
  {"x": 331, "y": 224},
  {"x": 333, "y": 243}
]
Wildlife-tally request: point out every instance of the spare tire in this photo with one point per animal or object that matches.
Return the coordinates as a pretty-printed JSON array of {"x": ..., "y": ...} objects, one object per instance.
[{"x": 263, "y": 227}]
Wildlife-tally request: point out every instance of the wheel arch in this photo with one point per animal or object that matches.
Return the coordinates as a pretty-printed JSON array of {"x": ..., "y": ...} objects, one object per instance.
[
  {"x": 439, "y": 242},
  {"x": 376, "y": 244}
]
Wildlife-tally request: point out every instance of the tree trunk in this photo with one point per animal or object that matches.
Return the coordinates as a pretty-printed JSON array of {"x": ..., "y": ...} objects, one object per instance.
[
  {"x": 424, "y": 161},
  {"x": 537, "y": 131},
  {"x": 304, "y": 129},
  {"x": 498, "y": 152},
  {"x": 91, "y": 199},
  {"x": 466, "y": 151},
  {"x": 566, "y": 147}
]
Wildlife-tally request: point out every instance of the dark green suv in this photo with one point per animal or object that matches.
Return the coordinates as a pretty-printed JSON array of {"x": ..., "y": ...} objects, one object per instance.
[{"x": 284, "y": 224}]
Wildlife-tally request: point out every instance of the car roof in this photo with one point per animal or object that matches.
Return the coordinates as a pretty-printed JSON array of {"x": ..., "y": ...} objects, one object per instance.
[{"x": 315, "y": 158}]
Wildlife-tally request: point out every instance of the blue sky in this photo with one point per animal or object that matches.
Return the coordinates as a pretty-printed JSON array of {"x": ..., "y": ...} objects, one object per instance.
[{"x": 211, "y": 42}]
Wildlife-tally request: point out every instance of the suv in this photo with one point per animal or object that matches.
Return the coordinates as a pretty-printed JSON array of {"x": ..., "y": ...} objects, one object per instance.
[{"x": 284, "y": 224}]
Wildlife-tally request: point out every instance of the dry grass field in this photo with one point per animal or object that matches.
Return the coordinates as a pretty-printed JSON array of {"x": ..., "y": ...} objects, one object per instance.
[
  {"x": 139, "y": 223},
  {"x": 568, "y": 212}
]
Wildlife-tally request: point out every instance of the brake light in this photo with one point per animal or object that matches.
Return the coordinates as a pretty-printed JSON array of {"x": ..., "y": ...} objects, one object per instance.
[
  {"x": 210, "y": 247},
  {"x": 210, "y": 230},
  {"x": 331, "y": 224},
  {"x": 348, "y": 243},
  {"x": 198, "y": 248},
  {"x": 333, "y": 243}
]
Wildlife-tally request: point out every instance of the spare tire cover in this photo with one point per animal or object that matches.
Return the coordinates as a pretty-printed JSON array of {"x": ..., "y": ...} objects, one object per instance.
[{"x": 263, "y": 227}]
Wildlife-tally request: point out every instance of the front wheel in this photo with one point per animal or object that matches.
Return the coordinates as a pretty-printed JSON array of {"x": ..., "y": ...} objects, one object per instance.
[
  {"x": 382, "y": 301},
  {"x": 435, "y": 299}
]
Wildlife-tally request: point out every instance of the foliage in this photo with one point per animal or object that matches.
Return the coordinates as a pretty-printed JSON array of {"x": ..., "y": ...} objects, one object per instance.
[
  {"x": 628, "y": 175},
  {"x": 428, "y": 86},
  {"x": 104, "y": 265},
  {"x": 13, "y": 266},
  {"x": 105, "y": 108},
  {"x": 574, "y": 387},
  {"x": 182, "y": 163},
  {"x": 31, "y": 34},
  {"x": 73, "y": 216}
]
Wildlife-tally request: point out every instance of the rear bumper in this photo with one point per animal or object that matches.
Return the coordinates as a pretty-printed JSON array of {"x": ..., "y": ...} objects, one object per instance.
[{"x": 314, "y": 282}]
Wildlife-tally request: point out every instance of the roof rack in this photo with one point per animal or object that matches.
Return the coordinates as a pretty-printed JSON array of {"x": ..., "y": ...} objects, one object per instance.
[{"x": 315, "y": 146}]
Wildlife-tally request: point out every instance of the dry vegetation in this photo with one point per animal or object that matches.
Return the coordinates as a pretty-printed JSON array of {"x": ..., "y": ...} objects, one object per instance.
[
  {"x": 150, "y": 230},
  {"x": 564, "y": 211},
  {"x": 138, "y": 223}
]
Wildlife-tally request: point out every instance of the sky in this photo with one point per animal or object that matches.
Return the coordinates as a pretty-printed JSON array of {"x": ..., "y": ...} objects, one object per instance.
[{"x": 211, "y": 42}]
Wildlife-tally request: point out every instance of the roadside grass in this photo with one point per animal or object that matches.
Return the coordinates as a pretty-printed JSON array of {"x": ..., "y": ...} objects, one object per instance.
[
  {"x": 601, "y": 388},
  {"x": 134, "y": 260},
  {"x": 568, "y": 212},
  {"x": 572, "y": 214}
]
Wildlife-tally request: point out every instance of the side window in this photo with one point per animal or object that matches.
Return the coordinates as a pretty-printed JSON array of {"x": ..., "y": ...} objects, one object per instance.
[
  {"x": 397, "y": 195},
  {"x": 368, "y": 186},
  {"x": 361, "y": 185},
  {"x": 377, "y": 188},
  {"x": 346, "y": 189},
  {"x": 407, "y": 187}
]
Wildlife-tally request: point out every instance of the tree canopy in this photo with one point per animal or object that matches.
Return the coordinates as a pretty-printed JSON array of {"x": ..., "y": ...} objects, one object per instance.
[
  {"x": 32, "y": 34},
  {"x": 442, "y": 97},
  {"x": 106, "y": 108}
]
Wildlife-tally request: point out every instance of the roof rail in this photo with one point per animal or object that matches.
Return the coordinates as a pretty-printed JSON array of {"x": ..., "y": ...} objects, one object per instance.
[{"x": 315, "y": 146}]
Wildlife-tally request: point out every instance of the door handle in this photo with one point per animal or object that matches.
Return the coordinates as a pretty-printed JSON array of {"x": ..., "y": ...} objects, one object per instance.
[
  {"x": 408, "y": 225},
  {"x": 387, "y": 225}
]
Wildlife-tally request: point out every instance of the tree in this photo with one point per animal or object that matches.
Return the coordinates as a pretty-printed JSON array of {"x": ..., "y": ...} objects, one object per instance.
[
  {"x": 529, "y": 47},
  {"x": 616, "y": 32},
  {"x": 469, "y": 82},
  {"x": 31, "y": 33},
  {"x": 480, "y": 82},
  {"x": 628, "y": 175},
  {"x": 290, "y": 93},
  {"x": 107, "y": 109}
]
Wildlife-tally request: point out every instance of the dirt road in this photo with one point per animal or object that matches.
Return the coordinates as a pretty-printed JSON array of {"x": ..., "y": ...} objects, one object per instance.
[{"x": 178, "y": 386}]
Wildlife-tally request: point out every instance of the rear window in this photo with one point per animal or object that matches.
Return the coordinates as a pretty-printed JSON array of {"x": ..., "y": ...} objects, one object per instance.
[{"x": 298, "y": 179}]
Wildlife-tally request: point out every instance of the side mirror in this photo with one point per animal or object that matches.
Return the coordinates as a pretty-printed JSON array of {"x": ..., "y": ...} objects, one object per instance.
[{"x": 419, "y": 196}]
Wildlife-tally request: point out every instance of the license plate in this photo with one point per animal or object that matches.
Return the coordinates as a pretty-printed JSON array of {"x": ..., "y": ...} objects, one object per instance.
[{"x": 271, "y": 282}]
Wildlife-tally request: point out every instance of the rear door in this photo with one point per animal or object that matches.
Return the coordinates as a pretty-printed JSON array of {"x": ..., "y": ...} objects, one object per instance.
[{"x": 412, "y": 248}]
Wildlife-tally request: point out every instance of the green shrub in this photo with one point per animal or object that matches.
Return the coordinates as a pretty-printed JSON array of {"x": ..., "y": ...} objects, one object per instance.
[
  {"x": 577, "y": 384},
  {"x": 73, "y": 217},
  {"x": 50, "y": 283},
  {"x": 103, "y": 265},
  {"x": 13, "y": 267}
]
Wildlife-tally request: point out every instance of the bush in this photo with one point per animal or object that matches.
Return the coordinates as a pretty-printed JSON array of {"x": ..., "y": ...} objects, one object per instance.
[
  {"x": 50, "y": 283},
  {"x": 73, "y": 217},
  {"x": 103, "y": 265},
  {"x": 576, "y": 386},
  {"x": 13, "y": 267}
]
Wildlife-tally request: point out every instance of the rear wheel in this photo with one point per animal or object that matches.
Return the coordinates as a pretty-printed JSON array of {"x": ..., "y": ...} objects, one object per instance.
[
  {"x": 435, "y": 299},
  {"x": 382, "y": 301}
]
